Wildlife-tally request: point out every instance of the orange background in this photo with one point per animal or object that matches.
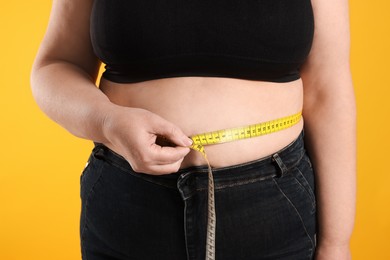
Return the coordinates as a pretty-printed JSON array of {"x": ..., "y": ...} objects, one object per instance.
[{"x": 40, "y": 162}]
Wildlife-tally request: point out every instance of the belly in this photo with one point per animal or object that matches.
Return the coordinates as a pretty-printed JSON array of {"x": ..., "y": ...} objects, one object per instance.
[{"x": 203, "y": 104}]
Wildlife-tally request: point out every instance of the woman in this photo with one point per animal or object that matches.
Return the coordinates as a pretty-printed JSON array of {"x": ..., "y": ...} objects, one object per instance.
[{"x": 177, "y": 69}]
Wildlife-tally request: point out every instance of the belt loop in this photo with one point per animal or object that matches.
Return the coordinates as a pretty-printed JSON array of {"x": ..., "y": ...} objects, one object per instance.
[
  {"x": 282, "y": 167},
  {"x": 98, "y": 151}
]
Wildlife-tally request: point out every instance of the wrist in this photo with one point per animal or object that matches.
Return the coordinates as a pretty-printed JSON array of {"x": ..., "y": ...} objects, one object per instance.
[
  {"x": 333, "y": 241},
  {"x": 333, "y": 252},
  {"x": 332, "y": 248},
  {"x": 109, "y": 119}
]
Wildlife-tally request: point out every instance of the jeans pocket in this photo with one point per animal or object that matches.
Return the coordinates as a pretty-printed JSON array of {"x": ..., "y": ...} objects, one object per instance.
[
  {"x": 300, "y": 201},
  {"x": 304, "y": 175},
  {"x": 89, "y": 178},
  {"x": 85, "y": 170}
]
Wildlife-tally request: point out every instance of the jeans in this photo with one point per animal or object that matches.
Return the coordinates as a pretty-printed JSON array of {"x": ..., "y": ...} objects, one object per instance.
[{"x": 266, "y": 209}]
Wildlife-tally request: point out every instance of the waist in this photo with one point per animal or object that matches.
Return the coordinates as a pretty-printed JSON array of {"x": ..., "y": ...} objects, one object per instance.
[
  {"x": 258, "y": 169},
  {"x": 199, "y": 105}
]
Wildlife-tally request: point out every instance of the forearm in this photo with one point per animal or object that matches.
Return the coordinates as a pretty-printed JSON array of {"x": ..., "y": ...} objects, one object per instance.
[
  {"x": 69, "y": 97},
  {"x": 330, "y": 130}
]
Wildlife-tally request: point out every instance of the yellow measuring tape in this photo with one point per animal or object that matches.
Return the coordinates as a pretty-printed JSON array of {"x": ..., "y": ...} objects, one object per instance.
[{"x": 229, "y": 135}]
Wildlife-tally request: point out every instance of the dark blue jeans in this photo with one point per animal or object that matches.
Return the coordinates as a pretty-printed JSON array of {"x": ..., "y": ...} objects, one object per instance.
[{"x": 266, "y": 209}]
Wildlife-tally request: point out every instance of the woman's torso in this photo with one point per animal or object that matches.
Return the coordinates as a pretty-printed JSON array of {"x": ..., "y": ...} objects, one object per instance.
[
  {"x": 207, "y": 66},
  {"x": 203, "y": 104}
]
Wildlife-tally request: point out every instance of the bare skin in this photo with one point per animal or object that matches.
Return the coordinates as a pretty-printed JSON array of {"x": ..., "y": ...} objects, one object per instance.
[
  {"x": 197, "y": 105},
  {"x": 129, "y": 117}
]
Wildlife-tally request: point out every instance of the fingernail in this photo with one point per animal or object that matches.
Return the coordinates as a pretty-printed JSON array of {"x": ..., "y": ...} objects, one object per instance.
[{"x": 187, "y": 142}]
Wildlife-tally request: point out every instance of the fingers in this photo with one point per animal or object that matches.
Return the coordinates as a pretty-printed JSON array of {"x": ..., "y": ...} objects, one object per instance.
[
  {"x": 166, "y": 155},
  {"x": 171, "y": 132},
  {"x": 134, "y": 133},
  {"x": 165, "y": 169},
  {"x": 161, "y": 160}
]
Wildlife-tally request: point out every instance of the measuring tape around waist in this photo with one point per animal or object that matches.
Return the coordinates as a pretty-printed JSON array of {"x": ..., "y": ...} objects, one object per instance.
[{"x": 229, "y": 135}]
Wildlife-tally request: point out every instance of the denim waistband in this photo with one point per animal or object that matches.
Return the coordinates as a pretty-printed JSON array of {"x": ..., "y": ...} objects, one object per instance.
[{"x": 270, "y": 166}]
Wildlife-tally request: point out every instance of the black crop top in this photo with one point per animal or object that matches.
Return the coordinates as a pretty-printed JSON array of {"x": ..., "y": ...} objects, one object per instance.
[{"x": 140, "y": 40}]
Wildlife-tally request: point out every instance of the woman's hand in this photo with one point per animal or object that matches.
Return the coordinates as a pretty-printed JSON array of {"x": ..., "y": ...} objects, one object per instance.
[{"x": 133, "y": 132}]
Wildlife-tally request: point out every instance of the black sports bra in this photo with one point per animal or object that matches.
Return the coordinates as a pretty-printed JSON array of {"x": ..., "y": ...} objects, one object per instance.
[{"x": 140, "y": 40}]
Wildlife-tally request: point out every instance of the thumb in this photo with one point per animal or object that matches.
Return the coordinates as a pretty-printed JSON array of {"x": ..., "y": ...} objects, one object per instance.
[{"x": 171, "y": 132}]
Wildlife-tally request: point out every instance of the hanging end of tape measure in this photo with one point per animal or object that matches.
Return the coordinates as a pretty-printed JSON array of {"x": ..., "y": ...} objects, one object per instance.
[{"x": 199, "y": 148}]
